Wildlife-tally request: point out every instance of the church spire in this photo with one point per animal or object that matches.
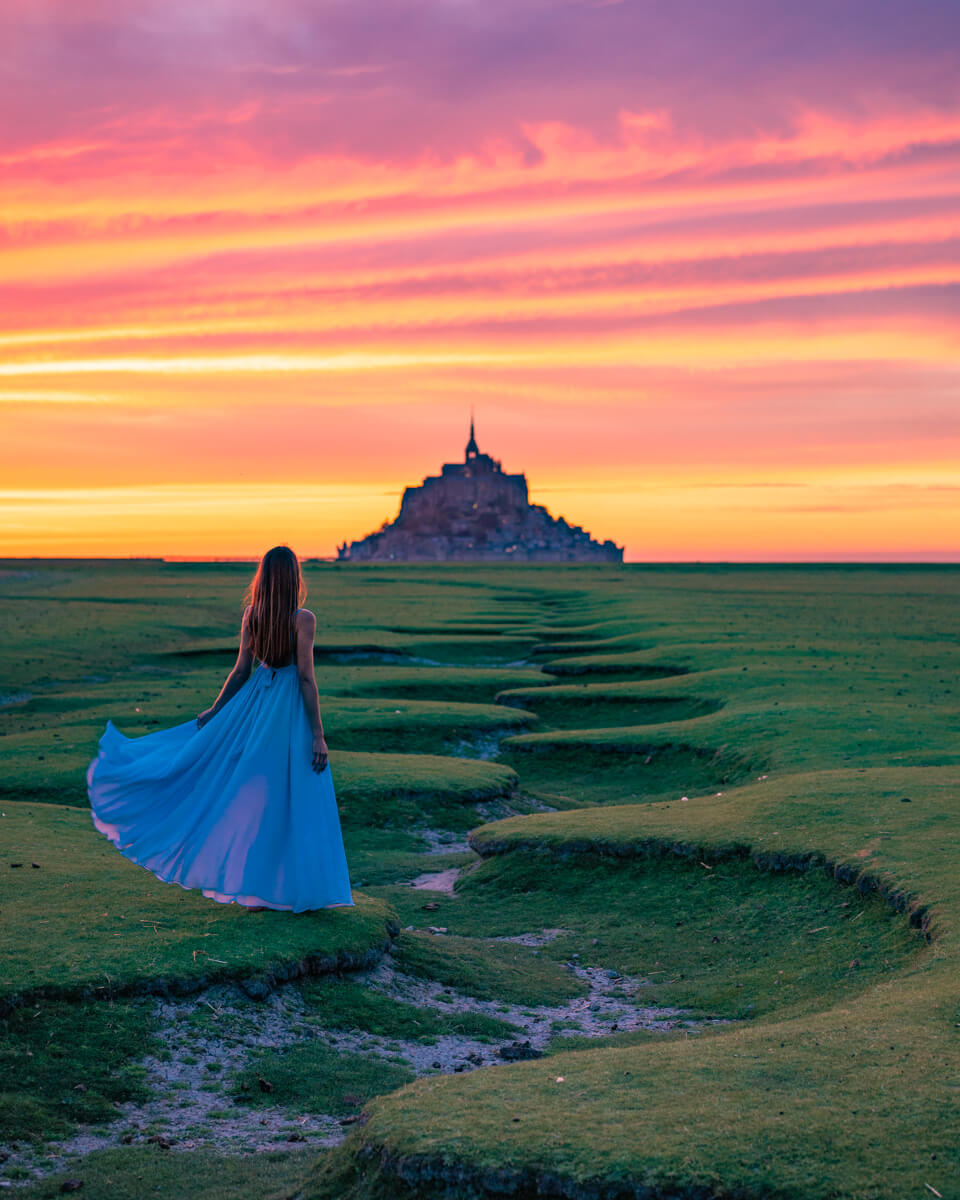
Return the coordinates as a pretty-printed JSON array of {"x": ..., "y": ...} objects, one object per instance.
[{"x": 472, "y": 448}]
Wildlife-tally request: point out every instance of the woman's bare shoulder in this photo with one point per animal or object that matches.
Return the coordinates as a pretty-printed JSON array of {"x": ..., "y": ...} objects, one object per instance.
[{"x": 305, "y": 617}]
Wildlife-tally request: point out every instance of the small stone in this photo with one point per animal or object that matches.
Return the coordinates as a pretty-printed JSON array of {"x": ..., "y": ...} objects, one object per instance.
[
  {"x": 264, "y": 1084},
  {"x": 13, "y": 865},
  {"x": 297, "y": 1136},
  {"x": 36, "y": 866},
  {"x": 437, "y": 1065},
  {"x": 255, "y": 988},
  {"x": 71, "y": 1185},
  {"x": 519, "y": 1052}
]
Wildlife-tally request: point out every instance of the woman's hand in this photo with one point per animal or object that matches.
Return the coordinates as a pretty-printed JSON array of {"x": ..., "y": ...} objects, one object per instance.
[
  {"x": 204, "y": 717},
  {"x": 320, "y": 752}
]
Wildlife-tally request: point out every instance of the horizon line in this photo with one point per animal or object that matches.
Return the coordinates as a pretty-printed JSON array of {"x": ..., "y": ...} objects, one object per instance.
[{"x": 878, "y": 561}]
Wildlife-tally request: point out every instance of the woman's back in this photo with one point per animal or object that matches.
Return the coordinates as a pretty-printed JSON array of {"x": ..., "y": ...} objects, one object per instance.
[{"x": 292, "y": 658}]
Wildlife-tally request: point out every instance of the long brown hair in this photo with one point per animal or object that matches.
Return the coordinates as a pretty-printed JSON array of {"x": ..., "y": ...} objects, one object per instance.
[{"x": 275, "y": 593}]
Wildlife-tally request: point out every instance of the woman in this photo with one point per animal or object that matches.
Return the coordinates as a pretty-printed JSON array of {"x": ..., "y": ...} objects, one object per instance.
[{"x": 238, "y": 802}]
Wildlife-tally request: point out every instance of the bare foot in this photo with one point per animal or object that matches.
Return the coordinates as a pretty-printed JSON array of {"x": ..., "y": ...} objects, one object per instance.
[{"x": 255, "y": 907}]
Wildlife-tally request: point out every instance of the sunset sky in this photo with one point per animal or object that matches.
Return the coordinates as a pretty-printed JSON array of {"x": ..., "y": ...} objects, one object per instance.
[{"x": 695, "y": 266}]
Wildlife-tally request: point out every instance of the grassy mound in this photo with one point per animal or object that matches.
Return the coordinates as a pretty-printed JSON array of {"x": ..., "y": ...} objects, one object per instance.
[
  {"x": 724, "y": 940},
  {"x": 342, "y": 1004},
  {"x": 851, "y": 1100},
  {"x": 620, "y": 765},
  {"x": 823, "y": 1106},
  {"x": 315, "y": 1078},
  {"x": 121, "y": 1174},
  {"x": 582, "y": 706},
  {"x": 574, "y": 645},
  {"x": 415, "y": 726},
  {"x": 500, "y": 971},
  {"x": 64, "y": 1064},
  {"x": 616, "y": 665},
  {"x": 87, "y": 923},
  {"x": 467, "y": 685},
  {"x": 377, "y": 786},
  {"x": 883, "y": 829}
]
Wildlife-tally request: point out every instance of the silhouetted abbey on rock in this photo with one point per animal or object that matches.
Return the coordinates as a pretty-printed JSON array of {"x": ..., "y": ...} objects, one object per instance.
[{"x": 474, "y": 512}]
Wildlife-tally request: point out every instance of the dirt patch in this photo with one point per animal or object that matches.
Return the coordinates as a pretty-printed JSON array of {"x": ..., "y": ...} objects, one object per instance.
[
  {"x": 437, "y": 881},
  {"x": 211, "y": 1036}
]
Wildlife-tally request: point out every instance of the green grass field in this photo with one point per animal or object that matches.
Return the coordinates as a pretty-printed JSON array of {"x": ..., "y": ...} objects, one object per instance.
[{"x": 754, "y": 774}]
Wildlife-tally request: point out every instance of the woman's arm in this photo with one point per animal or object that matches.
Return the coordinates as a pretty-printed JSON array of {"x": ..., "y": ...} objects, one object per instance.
[
  {"x": 238, "y": 676},
  {"x": 306, "y": 630}
]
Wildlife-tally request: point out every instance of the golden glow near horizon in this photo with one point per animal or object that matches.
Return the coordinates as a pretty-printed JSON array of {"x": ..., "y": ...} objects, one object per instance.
[{"x": 249, "y": 292}]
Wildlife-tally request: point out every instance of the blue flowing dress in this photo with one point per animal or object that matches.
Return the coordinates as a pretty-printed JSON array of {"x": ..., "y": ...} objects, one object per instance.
[{"x": 235, "y": 808}]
